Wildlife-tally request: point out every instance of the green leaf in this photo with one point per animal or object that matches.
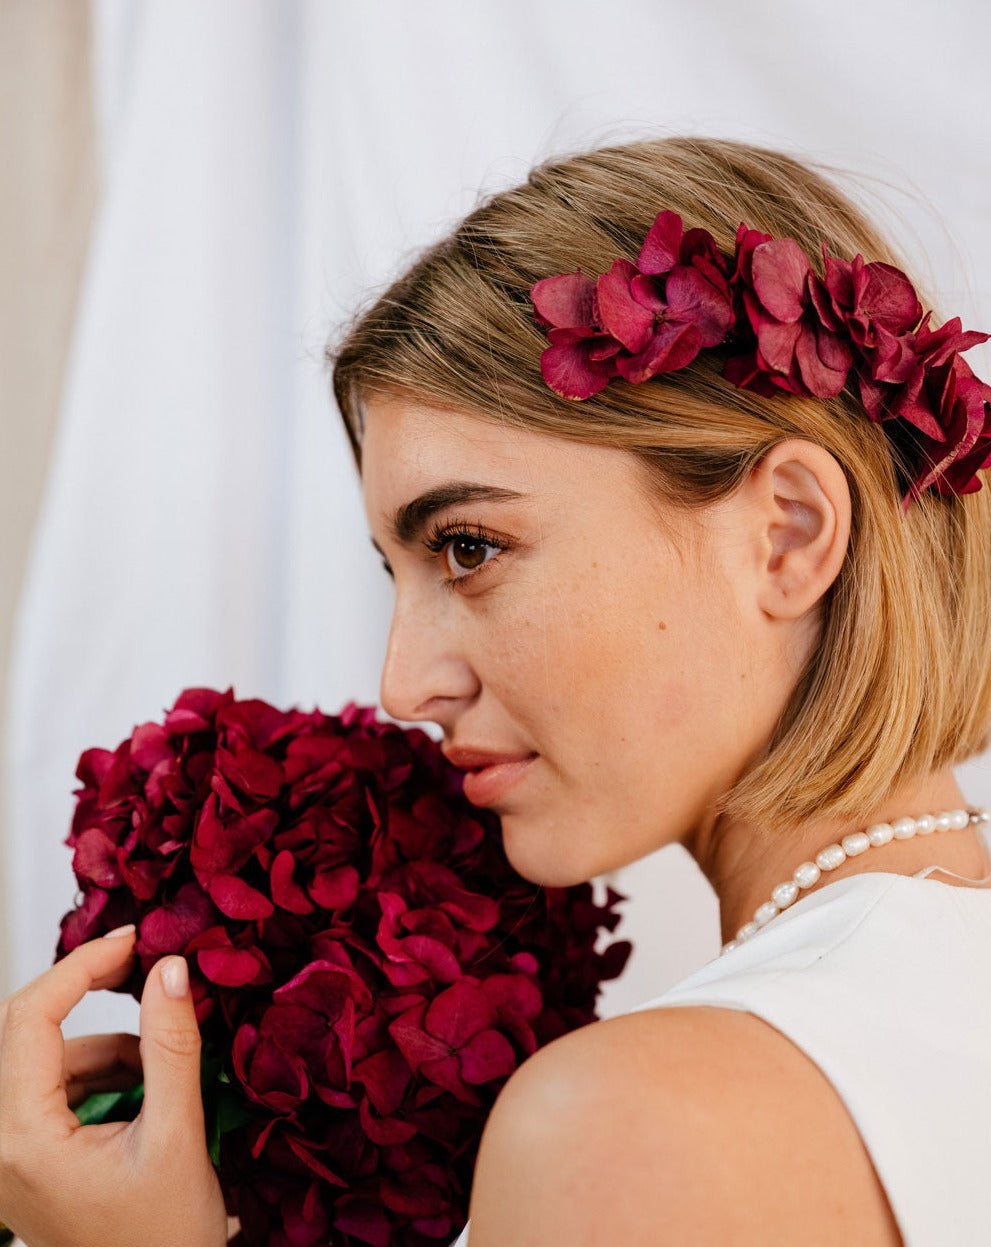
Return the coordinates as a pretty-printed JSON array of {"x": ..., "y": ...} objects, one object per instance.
[
  {"x": 227, "y": 1112},
  {"x": 224, "y": 1105},
  {"x": 110, "y": 1106}
]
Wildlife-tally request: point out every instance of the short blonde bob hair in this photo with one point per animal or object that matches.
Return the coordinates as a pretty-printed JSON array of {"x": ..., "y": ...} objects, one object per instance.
[{"x": 900, "y": 681}]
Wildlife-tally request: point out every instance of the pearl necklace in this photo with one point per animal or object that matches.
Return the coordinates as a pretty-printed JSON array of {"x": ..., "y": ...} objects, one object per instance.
[{"x": 833, "y": 855}]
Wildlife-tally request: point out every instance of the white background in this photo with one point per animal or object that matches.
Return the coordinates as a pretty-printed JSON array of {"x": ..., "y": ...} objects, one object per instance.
[{"x": 265, "y": 166}]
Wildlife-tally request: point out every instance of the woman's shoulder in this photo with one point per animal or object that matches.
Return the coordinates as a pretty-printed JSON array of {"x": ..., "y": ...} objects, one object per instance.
[{"x": 684, "y": 1124}]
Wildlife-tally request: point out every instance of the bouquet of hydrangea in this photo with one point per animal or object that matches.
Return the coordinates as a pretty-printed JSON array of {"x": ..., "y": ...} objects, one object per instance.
[{"x": 367, "y": 967}]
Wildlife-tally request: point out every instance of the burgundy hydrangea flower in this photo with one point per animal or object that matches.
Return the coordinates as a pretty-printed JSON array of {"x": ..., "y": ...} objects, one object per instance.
[
  {"x": 367, "y": 968},
  {"x": 581, "y": 358},
  {"x": 681, "y": 284},
  {"x": 781, "y": 329},
  {"x": 878, "y": 307},
  {"x": 949, "y": 429},
  {"x": 639, "y": 320},
  {"x": 801, "y": 344}
]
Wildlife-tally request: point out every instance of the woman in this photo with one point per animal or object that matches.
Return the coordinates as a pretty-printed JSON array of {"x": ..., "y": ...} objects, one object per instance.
[{"x": 711, "y": 601}]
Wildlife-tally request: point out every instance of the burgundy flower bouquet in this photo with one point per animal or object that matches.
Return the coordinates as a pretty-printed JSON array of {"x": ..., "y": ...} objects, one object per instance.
[{"x": 367, "y": 967}]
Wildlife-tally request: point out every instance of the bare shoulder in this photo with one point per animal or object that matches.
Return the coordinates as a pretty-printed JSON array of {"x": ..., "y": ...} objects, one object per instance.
[{"x": 679, "y": 1125}]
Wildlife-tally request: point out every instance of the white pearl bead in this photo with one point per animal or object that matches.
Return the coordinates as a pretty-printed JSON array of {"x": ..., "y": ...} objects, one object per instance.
[
  {"x": 830, "y": 857},
  {"x": 806, "y": 874},
  {"x": 942, "y": 822},
  {"x": 904, "y": 829},
  {"x": 879, "y": 834},
  {"x": 729, "y": 945},
  {"x": 959, "y": 819},
  {"x": 784, "y": 894},
  {"x": 925, "y": 824},
  {"x": 764, "y": 914},
  {"x": 746, "y": 931},
  {"x": 856, "y": 843}
]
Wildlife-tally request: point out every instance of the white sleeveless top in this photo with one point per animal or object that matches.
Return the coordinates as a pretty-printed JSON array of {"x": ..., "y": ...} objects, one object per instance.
[{"x": 884, "y": 981}]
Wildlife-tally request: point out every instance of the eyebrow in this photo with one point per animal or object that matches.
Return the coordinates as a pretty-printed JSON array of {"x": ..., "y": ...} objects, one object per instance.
[{"x": 410, "y": 519}]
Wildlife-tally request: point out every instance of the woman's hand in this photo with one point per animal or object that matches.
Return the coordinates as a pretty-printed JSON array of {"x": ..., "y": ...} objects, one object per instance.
[{"x": 144, "y": 1183}]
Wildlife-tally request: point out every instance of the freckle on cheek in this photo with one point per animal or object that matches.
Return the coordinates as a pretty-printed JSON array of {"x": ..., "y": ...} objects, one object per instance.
[{"x": 662, "y": 625}]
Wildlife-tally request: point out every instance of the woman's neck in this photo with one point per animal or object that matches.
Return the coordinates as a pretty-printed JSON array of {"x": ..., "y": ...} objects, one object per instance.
[{"x": 743, "y": 867}]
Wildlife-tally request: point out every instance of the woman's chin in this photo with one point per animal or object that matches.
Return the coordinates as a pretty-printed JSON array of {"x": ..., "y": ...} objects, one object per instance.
[{"x": 540, "y": 857}]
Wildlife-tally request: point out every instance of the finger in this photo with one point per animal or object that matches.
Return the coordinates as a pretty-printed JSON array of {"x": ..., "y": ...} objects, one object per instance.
[
  {"x": 100, "y": 963},
  {"x": 170, "y": 1055},
  {"x": 31, "y": 1044}
]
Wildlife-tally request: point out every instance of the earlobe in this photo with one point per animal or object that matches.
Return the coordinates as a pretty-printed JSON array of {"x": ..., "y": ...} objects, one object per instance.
[{"x": 806, "y": 504}]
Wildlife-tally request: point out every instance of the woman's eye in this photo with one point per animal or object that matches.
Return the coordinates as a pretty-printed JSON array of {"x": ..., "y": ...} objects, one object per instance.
[
  {"x": 465, "y": 554},
  {"x": 465, "y": 547}
]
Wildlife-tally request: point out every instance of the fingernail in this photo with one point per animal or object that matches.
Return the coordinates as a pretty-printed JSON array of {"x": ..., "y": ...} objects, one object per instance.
[
  {"x": 175, "y": 977},
  {"x": 128, "y": 929}
]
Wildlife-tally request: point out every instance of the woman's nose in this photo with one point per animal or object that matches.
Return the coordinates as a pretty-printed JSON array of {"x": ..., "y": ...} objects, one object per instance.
[{"x": 426, "y": 674}]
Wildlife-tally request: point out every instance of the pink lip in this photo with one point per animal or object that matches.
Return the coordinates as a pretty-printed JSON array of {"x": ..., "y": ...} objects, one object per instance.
[{"x": 488, "y": 776}]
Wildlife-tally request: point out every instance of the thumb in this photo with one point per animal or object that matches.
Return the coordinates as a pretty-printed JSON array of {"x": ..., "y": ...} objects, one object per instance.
[{"x": 170, "y": 1054}]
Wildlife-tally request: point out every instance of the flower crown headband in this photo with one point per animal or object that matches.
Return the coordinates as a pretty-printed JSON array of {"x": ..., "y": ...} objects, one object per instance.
[{"x": 781, "y": 329}]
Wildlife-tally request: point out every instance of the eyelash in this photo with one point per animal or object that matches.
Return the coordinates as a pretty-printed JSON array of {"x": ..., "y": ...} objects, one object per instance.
[{"x": 441, "y": 536}]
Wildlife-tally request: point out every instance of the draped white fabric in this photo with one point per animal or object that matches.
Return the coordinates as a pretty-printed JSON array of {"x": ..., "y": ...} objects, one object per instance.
[{"x": 267, "y": 163}]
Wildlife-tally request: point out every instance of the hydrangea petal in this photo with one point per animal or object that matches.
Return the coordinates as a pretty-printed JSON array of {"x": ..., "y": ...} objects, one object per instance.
[
  {"x": 889, "y": 299},
  {"x": 83, "y": 922},
  {"x": 286, "y": 892},
  {"x": 386, "y": 1078},
  {"x": 95, "y": 858},
  {"x": 780, "y": 269},
  {"x": 228, "y": 966},
  {"x": 673, "y": 346},
  {"x": 171, "y": 927},
  {"x": 459, "y": 1012},
  {"x": 336, "y": 888},
  {"x": 384, "y": 1130},
  {"x": 487, "y": 1056},
  {"x": 820, "y": 379},
  {"x": 777, "y": 342},
  {"x": 415, "y": 1043},
  {"x": 620, "y": 315},
  {"x": 150, "y": 746},
  {"x": 661, "y": 249},
  {"x": 691, "y": 297},
  {"x": 936, "y": 346},
  {"x": 566, "y": 301},
  {"x": 238, "y": 899},
  {"x": 251, "y": 771},
  {"x": 570, "y": 373}
]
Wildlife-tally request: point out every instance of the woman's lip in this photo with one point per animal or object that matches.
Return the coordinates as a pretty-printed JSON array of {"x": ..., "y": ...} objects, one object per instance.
[
  {"x": 467, "y": 759},
  {"x": 487, "y": 784}
]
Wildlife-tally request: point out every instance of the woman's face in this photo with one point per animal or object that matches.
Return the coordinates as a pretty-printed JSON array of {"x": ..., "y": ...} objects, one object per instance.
[{"x": 547, "y": 613}]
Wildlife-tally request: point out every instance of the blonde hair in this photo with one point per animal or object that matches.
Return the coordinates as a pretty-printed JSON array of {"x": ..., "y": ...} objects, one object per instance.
[{"x": 900, "y": 681}]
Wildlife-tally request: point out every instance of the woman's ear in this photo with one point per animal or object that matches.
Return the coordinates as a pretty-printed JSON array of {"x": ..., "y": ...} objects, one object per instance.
[{"x": 803, "y": 505}]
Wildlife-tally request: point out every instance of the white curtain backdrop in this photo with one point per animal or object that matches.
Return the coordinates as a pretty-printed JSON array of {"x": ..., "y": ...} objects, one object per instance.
[{"x": 266, "y": 163}]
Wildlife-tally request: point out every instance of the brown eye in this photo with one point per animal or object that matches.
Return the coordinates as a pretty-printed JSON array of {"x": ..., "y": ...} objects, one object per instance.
[
  {"x": 465, "y": 548},
  {"x": 466, "y": 554}
]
